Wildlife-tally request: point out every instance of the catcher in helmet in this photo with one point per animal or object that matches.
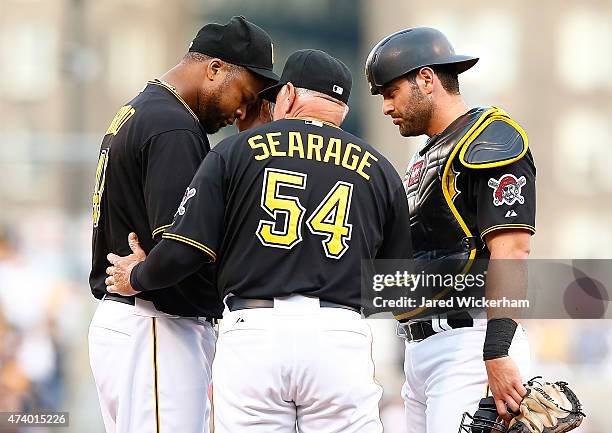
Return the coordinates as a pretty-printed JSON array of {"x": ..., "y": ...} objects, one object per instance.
[{"x": 471, "y": 193}]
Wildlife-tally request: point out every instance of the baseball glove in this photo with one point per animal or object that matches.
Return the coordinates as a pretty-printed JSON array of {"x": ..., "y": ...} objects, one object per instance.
[{"x": 547, "y": 408}]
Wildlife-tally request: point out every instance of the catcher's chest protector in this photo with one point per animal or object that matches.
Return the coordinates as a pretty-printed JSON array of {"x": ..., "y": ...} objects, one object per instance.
[{"x": 431, "y": 187}]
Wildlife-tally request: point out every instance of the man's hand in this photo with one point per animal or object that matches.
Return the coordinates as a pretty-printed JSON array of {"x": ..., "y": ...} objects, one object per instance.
[
  {"x": 258, "y": 113},
  {"x": 118, "y": 280},
  {"x": 506, "y": 385}
]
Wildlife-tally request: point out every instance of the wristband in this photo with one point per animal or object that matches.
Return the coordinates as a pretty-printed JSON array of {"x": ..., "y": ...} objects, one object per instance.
[{"x": 500, "y": 333}]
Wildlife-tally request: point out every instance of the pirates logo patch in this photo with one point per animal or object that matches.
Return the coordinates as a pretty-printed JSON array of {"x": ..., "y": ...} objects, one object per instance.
[
  {"x": 414, "y": 173},
  {"x": 188, "y": 194},
  {"x": 507, "y": 190}
]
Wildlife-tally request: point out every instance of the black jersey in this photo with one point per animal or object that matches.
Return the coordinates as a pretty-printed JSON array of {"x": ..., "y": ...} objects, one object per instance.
[
  {"x": 293, "y": 207},
  {"x": 475, "y": 177},
  {"x": 498, "y": 198},
  {"x": 452, "y": 200},
  {"x": 148, "y": 156}
]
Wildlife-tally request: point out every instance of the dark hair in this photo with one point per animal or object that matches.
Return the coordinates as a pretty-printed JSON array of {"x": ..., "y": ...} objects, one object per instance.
[
  {"x": 447, "y": 76},
  {"x": 193, "y": 56}
]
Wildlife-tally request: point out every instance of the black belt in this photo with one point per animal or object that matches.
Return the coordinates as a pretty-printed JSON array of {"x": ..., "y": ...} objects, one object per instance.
[
  {"x": 420, "y": 330},
  {"x": 118, "y": 298},
  {"x": 132, "y": 301},
  {"x": 239, "y": 303}
]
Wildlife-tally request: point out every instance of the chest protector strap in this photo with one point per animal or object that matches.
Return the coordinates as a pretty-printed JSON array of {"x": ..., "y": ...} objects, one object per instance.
[{"x": 494, "y": 140}]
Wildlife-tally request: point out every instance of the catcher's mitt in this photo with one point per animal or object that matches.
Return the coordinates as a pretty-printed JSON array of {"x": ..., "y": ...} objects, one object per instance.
[{"x": 547, "y": 408}]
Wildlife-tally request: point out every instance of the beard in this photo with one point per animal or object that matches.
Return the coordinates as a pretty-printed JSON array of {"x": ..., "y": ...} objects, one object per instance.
[
  {"x": 209, "y": 114},
  {"x": 416, "y": 116}
]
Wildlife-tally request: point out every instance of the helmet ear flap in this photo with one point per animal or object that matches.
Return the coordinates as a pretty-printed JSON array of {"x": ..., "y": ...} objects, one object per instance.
[{"x": 485, "y": 420}]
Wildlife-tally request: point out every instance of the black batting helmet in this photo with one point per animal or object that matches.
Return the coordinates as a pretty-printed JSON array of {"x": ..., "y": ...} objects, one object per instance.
[
  {"x": 485, "y": 420},
  {"x": 410, "y": 49}
]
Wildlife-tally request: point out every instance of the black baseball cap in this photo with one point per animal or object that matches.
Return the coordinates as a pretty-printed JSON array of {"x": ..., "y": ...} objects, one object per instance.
[
  {"x": 314, "y": 70},
  {"x": 239, "y": 42}
]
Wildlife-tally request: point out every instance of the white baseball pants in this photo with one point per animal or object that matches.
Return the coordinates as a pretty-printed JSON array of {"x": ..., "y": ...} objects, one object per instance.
[
  {"x": 296, "y": 365},
  {"x": 152, "y": 370},
  {"x": 446, "y": 376}
]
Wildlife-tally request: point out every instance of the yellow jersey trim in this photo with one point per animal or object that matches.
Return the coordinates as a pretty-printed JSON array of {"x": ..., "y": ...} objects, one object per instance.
[
  {"x": 507, "y": 226},
  {"x": 155, "y": 378},
  {"x": 504, "y": 118},
  {"x": 445, "y": 186},
  {"x": 172, "y": 89},
  {"x": 160, "y": 229},
  {"x": 191, "y": 242}
]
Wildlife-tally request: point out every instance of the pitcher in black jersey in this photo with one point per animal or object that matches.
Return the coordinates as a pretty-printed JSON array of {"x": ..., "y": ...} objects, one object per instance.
[
  {"x": 471, "y": 193},
  {"x": 287, "y": 211},
  {"x": 151, "y": 354}
]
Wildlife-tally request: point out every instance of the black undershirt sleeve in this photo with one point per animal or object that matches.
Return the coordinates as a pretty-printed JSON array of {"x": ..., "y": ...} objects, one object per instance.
[{"x": 166, "y": 265}]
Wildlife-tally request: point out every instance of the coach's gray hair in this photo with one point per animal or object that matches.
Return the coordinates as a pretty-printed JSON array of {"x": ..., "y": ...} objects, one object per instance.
[{"x": 305, "y": 93}]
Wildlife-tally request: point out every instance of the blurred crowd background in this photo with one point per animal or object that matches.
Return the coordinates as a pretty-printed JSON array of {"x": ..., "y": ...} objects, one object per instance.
[{"x": 66, "y": 66}]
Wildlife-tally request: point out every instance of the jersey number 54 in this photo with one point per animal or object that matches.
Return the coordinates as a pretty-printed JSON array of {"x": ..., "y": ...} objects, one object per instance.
[{"x": 329, "y": 219}]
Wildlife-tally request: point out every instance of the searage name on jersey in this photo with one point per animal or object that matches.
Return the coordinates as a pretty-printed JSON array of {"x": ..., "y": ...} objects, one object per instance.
[{"x": 313, "y": 147}]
